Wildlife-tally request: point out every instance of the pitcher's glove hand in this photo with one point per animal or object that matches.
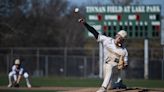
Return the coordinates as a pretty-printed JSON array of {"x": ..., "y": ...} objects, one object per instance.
[
  {"x": 121, "y": 63},
  {"x": 120, "y": 66}
]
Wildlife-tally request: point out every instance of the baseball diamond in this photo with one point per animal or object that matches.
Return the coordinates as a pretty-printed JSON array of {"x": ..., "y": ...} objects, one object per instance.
[
  {"x": 81, "y": 46},
  {"x": 78, "y": 89}
]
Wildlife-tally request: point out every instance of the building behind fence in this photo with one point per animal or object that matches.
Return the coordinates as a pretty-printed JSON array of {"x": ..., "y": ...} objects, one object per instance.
[{"x": 77, "y": 62}]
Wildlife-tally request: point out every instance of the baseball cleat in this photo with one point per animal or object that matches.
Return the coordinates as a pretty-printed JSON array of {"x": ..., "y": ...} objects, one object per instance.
[
  {"x": 9, "y": 86},
  {"x": 101, "y": 89},
  {"x": 28, "y": 85}
]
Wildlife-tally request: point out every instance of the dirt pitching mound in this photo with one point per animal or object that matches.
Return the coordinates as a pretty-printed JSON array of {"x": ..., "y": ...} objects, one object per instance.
[{"x": 85, "y": 89}]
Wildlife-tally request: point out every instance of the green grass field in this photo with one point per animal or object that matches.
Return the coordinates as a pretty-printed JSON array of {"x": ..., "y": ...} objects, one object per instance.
[
  {"x": 27, "y": 90},
  {"x": 83, "y": 82},
  {"x": 79, "y": 82}
]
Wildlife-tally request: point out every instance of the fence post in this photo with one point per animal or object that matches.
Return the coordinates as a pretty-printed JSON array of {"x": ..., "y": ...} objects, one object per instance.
[
  {"x": 146, "y": 59},
  {"x": 85, "y": 66},
  {"x": 37, "y": 64},
  {"x": 93, "y": 61},
  {"x": 7, "y": 64},
  {"x": 46, "y": 66},
  {"x": 11, "y": 55},
  {"x": 163, "y": 65},
  {"x": 101, "y": 60},
  {"x": 65, "y": 61}
]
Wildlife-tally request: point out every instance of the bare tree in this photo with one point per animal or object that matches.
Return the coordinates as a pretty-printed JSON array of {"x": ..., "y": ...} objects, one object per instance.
[
  {"x": 126, "y": 2},
  {"x": 47, "y": 23},
  {"x": 73, "y": 33}
]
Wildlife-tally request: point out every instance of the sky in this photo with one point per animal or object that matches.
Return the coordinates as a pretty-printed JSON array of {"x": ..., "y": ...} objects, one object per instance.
[
  {"x": 160, "y": 2},
  {"x": 81, "y": 2}
]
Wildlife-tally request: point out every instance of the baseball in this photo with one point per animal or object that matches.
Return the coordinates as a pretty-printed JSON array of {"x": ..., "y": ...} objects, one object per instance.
[{"x": 76, "y": 9}]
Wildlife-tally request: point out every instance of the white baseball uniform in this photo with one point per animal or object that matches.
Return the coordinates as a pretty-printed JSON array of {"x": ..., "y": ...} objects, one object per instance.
[
  {"x": 110, "y": 59},
  {"x": 18, "y": 71}
]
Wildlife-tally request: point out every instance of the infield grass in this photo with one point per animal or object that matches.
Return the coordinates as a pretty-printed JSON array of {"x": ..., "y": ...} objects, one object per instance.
[
  {"x": 27, "y": 90},
  {"x": 82, "y": 82}
]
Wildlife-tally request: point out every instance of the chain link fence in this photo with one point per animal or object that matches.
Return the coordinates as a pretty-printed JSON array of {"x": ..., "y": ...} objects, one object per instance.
[{"x": 78, "y": 62}]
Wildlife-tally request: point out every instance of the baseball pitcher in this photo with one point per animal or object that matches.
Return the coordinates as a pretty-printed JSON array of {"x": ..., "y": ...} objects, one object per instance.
[
  {"x": 115, "y": 54},
  {"x": 16, "y": 73}
]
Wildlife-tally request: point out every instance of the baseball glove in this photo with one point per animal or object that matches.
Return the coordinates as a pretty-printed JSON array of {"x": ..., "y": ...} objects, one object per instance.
[
  {"x": 121, "y": 63},
  {"x": 16, "y": 85}
]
